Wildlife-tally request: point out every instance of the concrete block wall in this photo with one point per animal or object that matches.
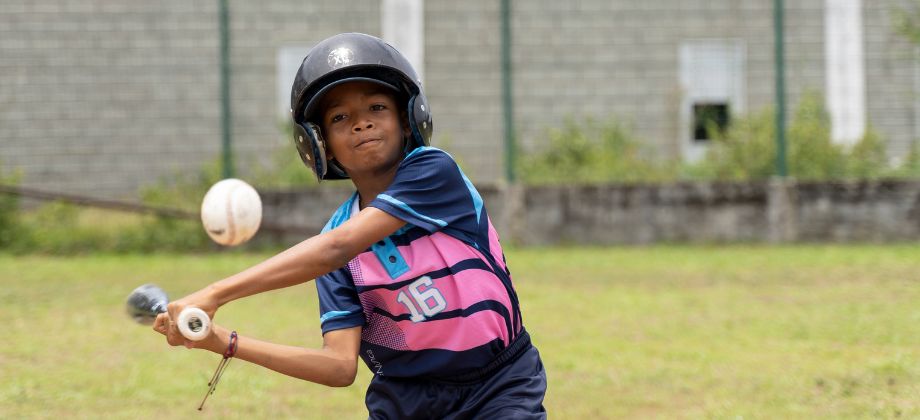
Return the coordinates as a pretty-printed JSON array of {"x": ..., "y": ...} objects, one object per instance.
[
  {"x": 628, "y": 214},
  {"x": 103, "y": 97},
  {"x": 892, "y": 79},
  {"x": 257, "y": 32},
  {"x": 620, "y": 59},
  {"x": 756, "y": 212},
  {"x": 463, "y": 83},
  {"x": 868, "y": 211}
]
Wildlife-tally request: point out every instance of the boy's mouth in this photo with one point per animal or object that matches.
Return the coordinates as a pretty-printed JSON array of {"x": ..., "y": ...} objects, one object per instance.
[{"x": 363, "y": 142}]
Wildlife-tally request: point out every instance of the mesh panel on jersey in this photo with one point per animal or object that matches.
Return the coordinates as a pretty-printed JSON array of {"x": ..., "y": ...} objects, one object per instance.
[
  {"x": 383, "y": 331},
  {"x": 380, "y": 330}
]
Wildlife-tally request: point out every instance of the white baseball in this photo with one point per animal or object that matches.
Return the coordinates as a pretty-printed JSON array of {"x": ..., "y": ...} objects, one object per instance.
[{"x": 231, "y": 212}]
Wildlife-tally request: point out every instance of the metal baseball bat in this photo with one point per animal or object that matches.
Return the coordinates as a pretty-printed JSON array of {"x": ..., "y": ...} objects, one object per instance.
[{"x": 147, "y": 301}]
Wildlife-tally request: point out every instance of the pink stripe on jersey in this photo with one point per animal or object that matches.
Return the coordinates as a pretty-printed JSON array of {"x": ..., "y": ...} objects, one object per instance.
[
  {"x": 460, "y": 291},
  {"x": 424, "y": 255},
  {"x": 478, "y": 329}
]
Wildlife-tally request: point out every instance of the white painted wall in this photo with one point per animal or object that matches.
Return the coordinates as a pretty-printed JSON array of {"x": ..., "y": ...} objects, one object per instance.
[
  {"x": 846, "y": 74},
  {"x": 403, "y": 26},
  {"x": 288, "y": 60}
]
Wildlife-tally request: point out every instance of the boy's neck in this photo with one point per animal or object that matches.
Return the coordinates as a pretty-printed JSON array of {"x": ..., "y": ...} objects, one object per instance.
[{"x": 372, "y": 185}]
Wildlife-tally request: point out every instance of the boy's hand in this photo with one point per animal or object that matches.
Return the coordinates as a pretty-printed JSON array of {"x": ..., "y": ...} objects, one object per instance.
[
  {"x": 215, "y": 340},
  {"x": 165, "y": 323},
  {"x": 203, "y": 299}
]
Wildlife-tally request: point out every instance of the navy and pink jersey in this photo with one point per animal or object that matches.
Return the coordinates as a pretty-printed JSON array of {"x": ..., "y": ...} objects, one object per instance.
[{"x": 435, "y": 298}]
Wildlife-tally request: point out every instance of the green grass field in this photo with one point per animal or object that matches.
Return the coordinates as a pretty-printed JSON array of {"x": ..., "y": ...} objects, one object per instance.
[{"x": 660, "y": 332}]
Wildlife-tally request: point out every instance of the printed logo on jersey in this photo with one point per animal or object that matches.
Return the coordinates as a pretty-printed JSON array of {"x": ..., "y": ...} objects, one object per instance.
[{"x": 378, "y": 367}]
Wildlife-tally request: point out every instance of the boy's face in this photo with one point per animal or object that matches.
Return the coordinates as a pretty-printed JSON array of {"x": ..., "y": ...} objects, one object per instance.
[{"x": 364, "y": 131}]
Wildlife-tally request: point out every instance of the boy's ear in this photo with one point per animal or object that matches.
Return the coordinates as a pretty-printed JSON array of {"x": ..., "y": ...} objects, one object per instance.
[{"x": 404, "y": 122}]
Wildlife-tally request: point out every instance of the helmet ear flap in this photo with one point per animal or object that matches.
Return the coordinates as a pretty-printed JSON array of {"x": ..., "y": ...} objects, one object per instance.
[
  {"x": 310, "y": 146},
  {"x": 420, "y": 120}
]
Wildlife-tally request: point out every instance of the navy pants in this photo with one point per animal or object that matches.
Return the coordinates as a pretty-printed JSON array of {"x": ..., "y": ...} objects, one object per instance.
[{"x": 513, "y": 391}]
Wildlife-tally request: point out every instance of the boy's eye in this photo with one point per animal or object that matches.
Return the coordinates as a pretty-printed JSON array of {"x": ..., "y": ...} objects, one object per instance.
[
  {"x": 337, "y": 117},
  {"x": 378, "y": 107}
]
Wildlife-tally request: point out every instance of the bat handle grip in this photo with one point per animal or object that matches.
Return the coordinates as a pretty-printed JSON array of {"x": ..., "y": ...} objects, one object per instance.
[{"x": 194, "y": 323}]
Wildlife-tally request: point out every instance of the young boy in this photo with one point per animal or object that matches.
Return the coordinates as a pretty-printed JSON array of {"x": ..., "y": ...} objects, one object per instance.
[{"x": 409, "y": 271}]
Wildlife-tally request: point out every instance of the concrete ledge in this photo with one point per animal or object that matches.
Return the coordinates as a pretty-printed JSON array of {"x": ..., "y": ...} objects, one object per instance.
[{"x": 775, "y": 211}]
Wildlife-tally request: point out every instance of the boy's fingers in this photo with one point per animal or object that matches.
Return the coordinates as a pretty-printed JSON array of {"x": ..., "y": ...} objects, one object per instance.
[
  {"x": 166, "y": 326},
  {"x": 173, "y": 337},
  {"x": 172, "y": 310},
  {"x": 161, "y": 323}
]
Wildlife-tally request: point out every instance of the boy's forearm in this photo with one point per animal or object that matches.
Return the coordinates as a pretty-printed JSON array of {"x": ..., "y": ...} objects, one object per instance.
[
  {"x": 323, "y": 366},
  {"x": 299, "y": 264},
  {"x": 309, "y": 259}
]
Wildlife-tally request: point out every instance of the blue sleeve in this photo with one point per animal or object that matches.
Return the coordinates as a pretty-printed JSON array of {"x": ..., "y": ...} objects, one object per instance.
[
  {"x": 431, "y": 192},
  {"x": 339, "y": 305}
]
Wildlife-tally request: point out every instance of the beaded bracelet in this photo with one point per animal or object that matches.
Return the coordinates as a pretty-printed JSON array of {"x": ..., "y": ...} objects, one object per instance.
[{"x": 228, "y": 354}]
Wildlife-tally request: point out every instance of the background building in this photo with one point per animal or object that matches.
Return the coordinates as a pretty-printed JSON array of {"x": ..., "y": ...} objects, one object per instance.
[{"x": 102, "y": 97}]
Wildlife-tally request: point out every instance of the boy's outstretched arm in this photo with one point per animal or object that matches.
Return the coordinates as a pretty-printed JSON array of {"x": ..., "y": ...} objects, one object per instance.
[
  {"x": 335, "y": 364},
  {"x": 300, "y": 263}
]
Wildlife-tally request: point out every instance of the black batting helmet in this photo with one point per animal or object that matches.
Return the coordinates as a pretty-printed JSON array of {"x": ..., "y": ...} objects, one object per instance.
[{"x": 345, "y": 58}]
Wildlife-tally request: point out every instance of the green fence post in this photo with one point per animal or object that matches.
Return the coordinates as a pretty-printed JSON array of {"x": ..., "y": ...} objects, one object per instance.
[
  {"x": 507, "y": 99},
  {"x": 225, "y": 115},
  {"x": 780, "y": 89}
]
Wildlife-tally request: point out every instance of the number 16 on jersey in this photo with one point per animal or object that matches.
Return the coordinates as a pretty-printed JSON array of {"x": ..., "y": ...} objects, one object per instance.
[{"x": 423, "y": 300}]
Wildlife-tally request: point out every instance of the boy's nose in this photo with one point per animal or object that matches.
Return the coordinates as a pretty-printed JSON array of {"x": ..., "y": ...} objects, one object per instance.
[{"x": 363, "y": 126}]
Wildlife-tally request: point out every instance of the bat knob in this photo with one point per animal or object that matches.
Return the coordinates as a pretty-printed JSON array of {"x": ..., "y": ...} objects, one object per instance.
[{"x": 194, "y": 324}]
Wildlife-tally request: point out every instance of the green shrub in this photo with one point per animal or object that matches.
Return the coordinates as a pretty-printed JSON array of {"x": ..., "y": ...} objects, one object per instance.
[
  {"x": 867, "y": 159},
  {"x": 812, "y": 153},
  {"x": 9, "y": 213},
  {"x": 596, "y": 152},
  {"x": 62, "y": 228},
  {"x": 54, "y": 228},
  {"x": 590, "y": 152},
  {"x": 163, "y": 234},
  {"x": 747, "y": 149},
  {"x": 909, "y": 168},
  {"x": 285, "y": 169},
  {"x": 906, "y": 21},
  {"x": 182, "y": 191}
]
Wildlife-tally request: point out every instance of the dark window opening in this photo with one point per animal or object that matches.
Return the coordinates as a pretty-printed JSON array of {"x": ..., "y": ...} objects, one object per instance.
[{"x": 709, "y": 116}]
